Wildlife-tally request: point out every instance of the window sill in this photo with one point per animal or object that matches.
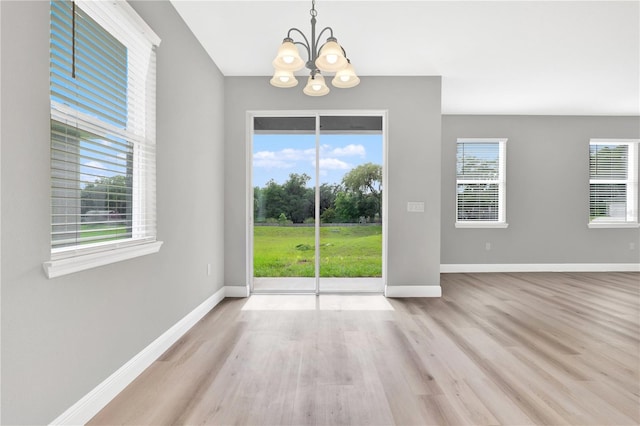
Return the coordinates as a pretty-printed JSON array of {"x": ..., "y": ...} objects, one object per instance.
[
  {"x": 498, "y": 225},
  {"x": 602, "y": 225},
  {"x": 70, "y": 265}
]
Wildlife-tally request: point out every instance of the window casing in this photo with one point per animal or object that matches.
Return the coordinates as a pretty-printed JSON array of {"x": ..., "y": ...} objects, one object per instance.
[
  {"x": 102, "y": 74},
  {"x": 613, "y": 183},
  {"x": 481, "y": 183}
]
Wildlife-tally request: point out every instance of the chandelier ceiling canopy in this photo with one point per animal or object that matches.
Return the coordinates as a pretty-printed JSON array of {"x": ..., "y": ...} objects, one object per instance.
[{"x": 329, "y": 57}]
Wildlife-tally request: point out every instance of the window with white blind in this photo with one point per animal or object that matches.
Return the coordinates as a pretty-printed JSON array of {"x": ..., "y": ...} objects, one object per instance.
[
  {"x": 102, "y": 75},
  {"x": 613, "y": 183},
  {"x": 480, "y": 183}
]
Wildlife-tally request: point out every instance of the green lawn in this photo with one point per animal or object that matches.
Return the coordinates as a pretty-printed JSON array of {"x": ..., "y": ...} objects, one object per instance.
[
  {"x": 345, "y": 251},
  {"x": 110, "y": 231}
]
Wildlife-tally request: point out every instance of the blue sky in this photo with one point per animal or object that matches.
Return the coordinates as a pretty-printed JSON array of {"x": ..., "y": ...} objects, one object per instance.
[
  {"x": 276, "y": 156},
  {"x": 102, "y": 157}
]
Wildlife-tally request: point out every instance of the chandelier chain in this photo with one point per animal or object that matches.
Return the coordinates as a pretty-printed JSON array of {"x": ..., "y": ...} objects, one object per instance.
[{"x": 313, "y": 11}]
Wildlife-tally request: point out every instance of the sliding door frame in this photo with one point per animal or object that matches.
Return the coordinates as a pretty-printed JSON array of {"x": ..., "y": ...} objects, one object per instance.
[{"x": 250, "y": 116}]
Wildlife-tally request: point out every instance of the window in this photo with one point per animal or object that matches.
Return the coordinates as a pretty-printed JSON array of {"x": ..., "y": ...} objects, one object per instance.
[
  {"x": 613, "y": 183},
  {"x": 102, "y": 75},
  {"x": 480, "y": 183}
]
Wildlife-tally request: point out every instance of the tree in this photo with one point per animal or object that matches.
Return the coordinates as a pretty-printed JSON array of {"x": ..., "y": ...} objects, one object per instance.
[
  {"x": 292, "y": 198},
  {"x": 272, "y": 202},
  {"x": 328, "y": 194},
  {"x": 364, "y": 186},
  {"x": 359, "y": 195},
  {"x": 364, "y": 179},
  {"x": 329, "y": 215},
  {"x": 282, "y": 219},
  {"x": 346, "y": 207},
  {"x": 107, "y": 193},
  {"x": 258, "y": 204},
  {"x": 298, "y": 198},
  {"x": 368, "y": 205}
]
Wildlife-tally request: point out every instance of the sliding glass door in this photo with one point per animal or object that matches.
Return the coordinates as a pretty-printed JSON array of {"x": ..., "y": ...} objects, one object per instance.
[
  {"x": 318, "y": 209},
  {"x": 350, "y": 169},
  {"x": 284, "y": 149}
]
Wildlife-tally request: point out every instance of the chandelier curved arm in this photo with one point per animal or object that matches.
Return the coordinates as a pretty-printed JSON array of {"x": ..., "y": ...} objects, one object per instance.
[
  {"x": 322, "y": 32},
  {"x": 306, "y": 41}
]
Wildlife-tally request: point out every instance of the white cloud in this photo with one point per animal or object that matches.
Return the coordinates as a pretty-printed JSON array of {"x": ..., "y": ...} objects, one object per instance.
[
  {"x": 288, "y": 157},
  {"x": 282, "y": 159},
  {"x": 332, "y": 164},
  {"x": 96, "y": 164},
  {"x": 297, "y": 154},
  {"x": 349, "y": 151},
  {"x": 90, "y": 171},
  {"x": 270, "y": 160},
  {"x": 289, "y": 154}
]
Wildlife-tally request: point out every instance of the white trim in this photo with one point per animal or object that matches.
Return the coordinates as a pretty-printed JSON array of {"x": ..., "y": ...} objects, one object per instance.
[
  {"x": 603, "y": 225},
  {"x": 613, "y": 141},
  {"x": 631, "y": 185},
  {"x": 119, "y": 10},
  {"x": 483, "y": 140},
  {"x": 413, "y": 291},
  {"x": 87, "y": 407},
  {"x": 385, "y": 194},
  {"x": 69, "y": 116},
  {"x": 249, "y": 117},
  {"x": 236, "y": 291},
  {"x": 316, "y": 212},
  {"x": 1, "y": 244},
  {"x": 97, "y": 248},
  {"x": 140, "y": 23},
  {"x": 539, "y": 267},
  {"x": 59, "y": 267},
  {"x": 118, "y": 19},
  {"x": 471, "y": 224},
  {"x": 501, "y": 181}
]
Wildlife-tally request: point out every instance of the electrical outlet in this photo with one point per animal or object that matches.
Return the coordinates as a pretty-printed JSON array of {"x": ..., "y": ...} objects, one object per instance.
[
  {"x": 208, "y": 269},
  {"x": 415, "y": 207},
  {"x": 632, "y": 246},
  {"x": 487, "y": 246}
]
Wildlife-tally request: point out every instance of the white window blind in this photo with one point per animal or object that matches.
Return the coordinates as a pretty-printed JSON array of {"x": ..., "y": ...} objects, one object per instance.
[
  {"x": 102, "y": 74},
  {"x": 613, "y": 182},
  {"x": 480, "y": 182}
]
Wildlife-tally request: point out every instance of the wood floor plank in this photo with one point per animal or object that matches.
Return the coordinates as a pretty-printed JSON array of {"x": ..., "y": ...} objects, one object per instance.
[{"x": 496, "y": 349}]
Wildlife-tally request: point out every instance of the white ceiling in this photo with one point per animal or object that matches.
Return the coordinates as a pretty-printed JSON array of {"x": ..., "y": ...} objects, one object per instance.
[{"x": 495, "y": 57}]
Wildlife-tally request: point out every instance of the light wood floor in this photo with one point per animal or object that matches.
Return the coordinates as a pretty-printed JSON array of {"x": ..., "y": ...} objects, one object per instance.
[{"x": 536, "y": 348}]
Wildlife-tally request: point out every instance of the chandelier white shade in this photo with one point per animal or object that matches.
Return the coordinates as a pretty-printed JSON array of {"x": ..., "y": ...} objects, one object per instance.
[
  {"x": 346, "y": 77},
  {"x": 329, "y": 57},
  {"x": 288, "y": 57},
  {"x": 316, "y": 86},
  {"x": 282, "y": 78}
]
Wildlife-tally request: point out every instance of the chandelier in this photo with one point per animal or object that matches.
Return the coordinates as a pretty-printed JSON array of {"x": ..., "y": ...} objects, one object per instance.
[{"x": 330, "y": 57}]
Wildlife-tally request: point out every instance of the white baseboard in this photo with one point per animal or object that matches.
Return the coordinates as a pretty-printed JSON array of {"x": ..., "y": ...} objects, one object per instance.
[
  {"x": 413, "y": 291},
  {"x": 236, "y": 291},
  {"x": 87, "y": 407},
  {"x": 540, "y": 267}
]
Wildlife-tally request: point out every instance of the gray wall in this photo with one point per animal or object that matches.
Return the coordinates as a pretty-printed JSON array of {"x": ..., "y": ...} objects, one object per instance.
[
  {"x": 62, "y": 337},
  {"x": 413, "y": 105},
  {"x": 547, "y": 192}
]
